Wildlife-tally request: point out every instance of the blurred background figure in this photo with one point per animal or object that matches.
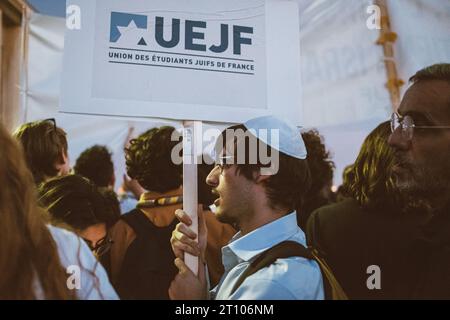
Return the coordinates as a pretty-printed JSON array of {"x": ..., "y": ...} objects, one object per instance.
[
  {"x": 130, "y": 190},
  {"x": 75, "y": 202},
  {"x": 33, "y": 256},
  {"x": 22, "y": 228},
  {"x": 321, "y": 168},
  {"x": 95, "y": 163},
  {"x": 45, "y": 147},
  {"x": 343, "y": 191},
  {"x": 370, "y": 227}
]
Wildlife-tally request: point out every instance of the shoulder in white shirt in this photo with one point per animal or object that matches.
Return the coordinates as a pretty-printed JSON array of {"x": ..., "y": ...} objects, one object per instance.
[{"x": 75, "y": 255}]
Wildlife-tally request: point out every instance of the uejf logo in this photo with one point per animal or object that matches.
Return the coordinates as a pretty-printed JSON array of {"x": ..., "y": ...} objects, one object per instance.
[
  {"x": 141, "y": 39},
  {"x": 126, "y": 20},
  {"x": 130, "y": 26}
]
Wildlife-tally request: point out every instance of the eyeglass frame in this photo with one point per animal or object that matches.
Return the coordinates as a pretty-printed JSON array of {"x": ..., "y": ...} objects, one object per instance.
[
  {"x": 399, "y": 120},
  {"x": 101, "y": 247},
  {"x": 105, "y": 242},
  {"x": 221, "y": 164}
]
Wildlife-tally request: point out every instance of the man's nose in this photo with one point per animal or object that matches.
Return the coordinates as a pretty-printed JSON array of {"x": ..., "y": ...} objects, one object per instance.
[
  {"x": 213, "y": 177},
  {"x": 398, "y": 141}
]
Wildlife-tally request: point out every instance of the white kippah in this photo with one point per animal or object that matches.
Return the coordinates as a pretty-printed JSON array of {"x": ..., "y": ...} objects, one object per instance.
[{"x": 290, "y": 139}]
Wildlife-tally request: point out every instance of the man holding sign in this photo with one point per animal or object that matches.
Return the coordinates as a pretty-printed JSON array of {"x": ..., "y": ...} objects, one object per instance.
[
  {"x": 259, "y": 198},
  {"x": 239, "y": 59},
  {"x": 140, "y": 258}
]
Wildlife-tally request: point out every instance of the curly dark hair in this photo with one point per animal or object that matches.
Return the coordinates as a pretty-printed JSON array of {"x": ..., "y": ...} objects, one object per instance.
[
  {"x": 319, "y": 161},
  {"x": 95, "y": 163},
  {"x": 75, "y": 201},
  {"x": 343, "y": 191},
  {"x": 321, "y": 167},
  {"x": 112, "y": 201},
  {"x": 149, "y": 161}
]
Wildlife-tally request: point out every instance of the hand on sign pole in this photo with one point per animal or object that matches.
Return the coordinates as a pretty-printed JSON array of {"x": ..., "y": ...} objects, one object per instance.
[
  {"x": 185, "y": 240},
  {"x": 186, "y": 285}
]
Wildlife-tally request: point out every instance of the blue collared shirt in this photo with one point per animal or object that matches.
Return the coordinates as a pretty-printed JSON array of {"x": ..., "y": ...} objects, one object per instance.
[{"x": 293, "y": 278}]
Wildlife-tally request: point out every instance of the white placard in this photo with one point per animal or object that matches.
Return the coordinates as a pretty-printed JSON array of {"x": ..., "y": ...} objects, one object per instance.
[{"x": 210, "y": 60}]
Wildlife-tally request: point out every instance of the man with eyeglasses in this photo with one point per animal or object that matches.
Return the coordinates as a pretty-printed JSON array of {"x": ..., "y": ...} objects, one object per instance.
[
  {"x": 261, "y": 202},
  {"x": 421, "y": 140}
]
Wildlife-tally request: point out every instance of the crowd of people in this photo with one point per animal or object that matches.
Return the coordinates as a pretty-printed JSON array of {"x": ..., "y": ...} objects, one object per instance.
[{"x": 384, "y": 234}]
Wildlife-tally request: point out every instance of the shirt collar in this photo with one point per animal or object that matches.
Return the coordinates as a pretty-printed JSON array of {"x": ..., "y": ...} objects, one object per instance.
[{"x": 259, "y": 240}]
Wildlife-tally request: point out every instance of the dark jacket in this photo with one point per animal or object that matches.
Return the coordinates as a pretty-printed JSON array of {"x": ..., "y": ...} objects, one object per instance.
[
  {"x": 147, "y": 268},
  {"x": 431, "y": 259},
  {"x": 353, "y": 239},
  {"x": 141, "y": 257}
]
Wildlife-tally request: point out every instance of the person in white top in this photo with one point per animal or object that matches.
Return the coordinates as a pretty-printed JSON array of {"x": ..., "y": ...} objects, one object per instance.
[
  {"x": 33, "y": 257},
  {"x": 78, "y": 260}
]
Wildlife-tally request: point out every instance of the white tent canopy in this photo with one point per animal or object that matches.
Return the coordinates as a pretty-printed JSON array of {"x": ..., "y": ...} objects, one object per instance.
[{"x": 343, "y": 74}]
